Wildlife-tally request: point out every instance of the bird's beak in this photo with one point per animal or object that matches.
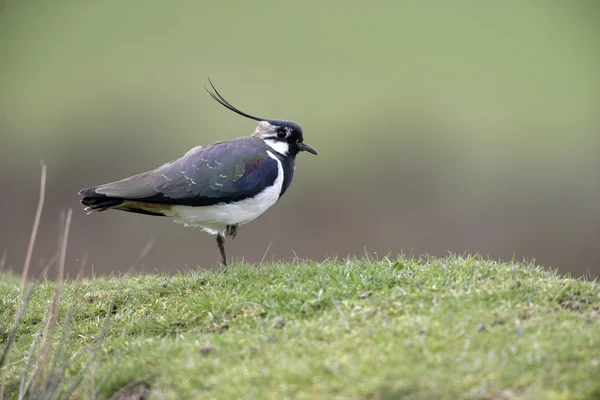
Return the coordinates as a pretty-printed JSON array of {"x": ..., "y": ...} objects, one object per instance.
[{"x": 305, "y": 147}]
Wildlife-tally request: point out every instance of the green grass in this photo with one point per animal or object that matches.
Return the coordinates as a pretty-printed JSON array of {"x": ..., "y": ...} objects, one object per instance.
[{"x": 360, "y": 329}]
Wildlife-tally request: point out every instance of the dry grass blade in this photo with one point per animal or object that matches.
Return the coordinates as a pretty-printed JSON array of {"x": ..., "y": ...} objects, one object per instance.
[
  {"x": 63, "y": 248},
  {"x": 265, "y": 255},
  {"x": 36, "y": 224},
  {"x": 46, "y": 345},
  {"x": 47, "y": 267},
  {"x": 24, "y": 300},
  {"x": 143, "y": 254}
]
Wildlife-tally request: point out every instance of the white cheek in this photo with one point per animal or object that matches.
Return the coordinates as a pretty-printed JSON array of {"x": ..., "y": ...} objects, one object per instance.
[{"x": 278, "y": 146}]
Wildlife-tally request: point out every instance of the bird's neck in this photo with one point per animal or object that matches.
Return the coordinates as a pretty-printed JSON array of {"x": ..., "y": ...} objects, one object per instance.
[{"x": 288, "y": 162}]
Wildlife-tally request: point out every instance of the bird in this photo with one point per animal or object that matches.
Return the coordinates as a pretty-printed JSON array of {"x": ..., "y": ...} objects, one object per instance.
[{"x": 216, "y": 187}]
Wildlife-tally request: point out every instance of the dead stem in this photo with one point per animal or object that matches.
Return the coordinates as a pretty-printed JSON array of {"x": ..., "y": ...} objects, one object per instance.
[{"x": 36, "y": 223}]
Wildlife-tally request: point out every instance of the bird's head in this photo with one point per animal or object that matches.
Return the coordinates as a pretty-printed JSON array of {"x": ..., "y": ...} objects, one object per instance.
[{"x": 283, "y": 136}]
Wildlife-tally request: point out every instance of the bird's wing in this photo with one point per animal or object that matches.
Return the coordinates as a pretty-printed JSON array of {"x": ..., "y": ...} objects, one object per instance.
[{"x": 220, "y": 173}]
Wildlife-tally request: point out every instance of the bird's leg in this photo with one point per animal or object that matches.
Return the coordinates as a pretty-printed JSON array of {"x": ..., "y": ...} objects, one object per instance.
[
  {"x": 221, "y": 244},
  {"x": 231, "y": 230}
]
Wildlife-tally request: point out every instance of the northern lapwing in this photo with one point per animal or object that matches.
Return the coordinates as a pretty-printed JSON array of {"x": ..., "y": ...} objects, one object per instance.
[{"x": 216, "y": 187}]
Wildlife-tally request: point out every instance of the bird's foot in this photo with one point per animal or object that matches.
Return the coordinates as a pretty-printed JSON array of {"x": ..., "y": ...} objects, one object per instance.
[{"x": 231, "y": 231}]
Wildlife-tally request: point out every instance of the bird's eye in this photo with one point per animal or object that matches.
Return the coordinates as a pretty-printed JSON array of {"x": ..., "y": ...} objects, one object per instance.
[{"x": 281, "y": 134}]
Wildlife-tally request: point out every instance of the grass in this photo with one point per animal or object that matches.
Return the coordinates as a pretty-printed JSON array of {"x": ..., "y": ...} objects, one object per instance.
[{"x": 361, "y": 329}]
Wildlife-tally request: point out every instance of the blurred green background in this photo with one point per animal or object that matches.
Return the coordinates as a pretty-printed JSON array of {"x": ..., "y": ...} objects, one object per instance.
[{"x": 441, "y": 126}]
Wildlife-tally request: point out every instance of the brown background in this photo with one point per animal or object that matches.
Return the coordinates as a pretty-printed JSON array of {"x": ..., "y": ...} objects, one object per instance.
[{"x": 440, "y": 129}]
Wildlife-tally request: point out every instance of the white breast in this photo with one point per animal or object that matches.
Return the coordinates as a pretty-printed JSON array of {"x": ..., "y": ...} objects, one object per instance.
[{"x": 214, "y": 219}]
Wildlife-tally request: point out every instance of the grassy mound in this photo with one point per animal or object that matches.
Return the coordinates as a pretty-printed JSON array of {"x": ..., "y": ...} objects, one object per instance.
[{"x": 438, "y": 328}]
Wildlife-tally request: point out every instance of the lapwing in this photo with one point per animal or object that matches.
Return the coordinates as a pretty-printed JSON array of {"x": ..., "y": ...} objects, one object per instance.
[{"x": 215, "y": 187}]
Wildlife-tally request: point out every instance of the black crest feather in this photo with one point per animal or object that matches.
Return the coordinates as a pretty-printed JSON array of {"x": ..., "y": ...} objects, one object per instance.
[{"x": 214, "y": 93}]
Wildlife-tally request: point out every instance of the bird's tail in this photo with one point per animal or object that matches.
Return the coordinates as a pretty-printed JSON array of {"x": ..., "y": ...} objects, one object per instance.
[{"x": 100, "y": 203}]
